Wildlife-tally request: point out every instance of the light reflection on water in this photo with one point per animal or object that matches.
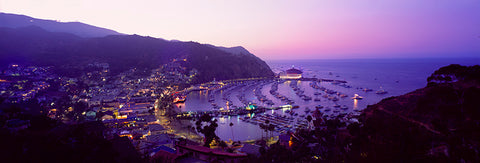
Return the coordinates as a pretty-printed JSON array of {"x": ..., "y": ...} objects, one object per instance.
[{"x": 355, "y": 104}]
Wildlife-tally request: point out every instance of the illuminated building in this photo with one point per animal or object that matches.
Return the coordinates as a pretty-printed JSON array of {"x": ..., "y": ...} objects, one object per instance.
[
  {"x": 179, "y": 99},
  {"x": 292, "y": 73}
]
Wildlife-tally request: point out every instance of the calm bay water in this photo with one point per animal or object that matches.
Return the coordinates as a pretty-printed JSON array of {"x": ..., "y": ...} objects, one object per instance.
[
  {"x": 411, "y": 74},
  {"x": 397, "y": 76}
]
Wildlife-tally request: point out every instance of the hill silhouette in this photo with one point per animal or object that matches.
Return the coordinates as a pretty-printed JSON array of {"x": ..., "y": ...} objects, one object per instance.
[
  {"x": 439, "y": 123},
  {"x": 33, "y": 45},
  {"x": 76, "y": 28}
]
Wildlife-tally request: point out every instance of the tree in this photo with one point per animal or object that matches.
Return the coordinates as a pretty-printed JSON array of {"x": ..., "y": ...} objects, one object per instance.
[
  {"x": 165, "y": 104},
  {"x": 271, "y": 128},
  {"x": 208, "y": 130},
  {"x": 267, "y": 122},
  {"x": 309, "y": 119},
  {"x": 262, "y": 126},
  {"x": 188, "y": 129},
  {"x": 231, "y": 127},
  {"x": 222, "y": 144}
]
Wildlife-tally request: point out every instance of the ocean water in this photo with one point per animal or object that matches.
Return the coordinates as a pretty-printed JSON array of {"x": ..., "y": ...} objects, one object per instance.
[{"x": 396, "y": 76}]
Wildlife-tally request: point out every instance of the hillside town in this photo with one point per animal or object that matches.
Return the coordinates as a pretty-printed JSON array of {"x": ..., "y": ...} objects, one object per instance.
[
  {"x": 134, "y": 105},
  {"x": 138, "y": 107},
  {"x": 135, "y": 111}
]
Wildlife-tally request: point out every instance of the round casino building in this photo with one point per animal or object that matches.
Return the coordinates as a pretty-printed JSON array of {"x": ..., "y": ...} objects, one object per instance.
[{"x": 292, "y": 73}]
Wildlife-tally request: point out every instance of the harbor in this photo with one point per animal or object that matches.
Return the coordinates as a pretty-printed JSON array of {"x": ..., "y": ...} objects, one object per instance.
[{"x": 285, "y": 103}]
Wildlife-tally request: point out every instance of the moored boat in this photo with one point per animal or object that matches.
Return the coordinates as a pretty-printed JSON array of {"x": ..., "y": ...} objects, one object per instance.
[
  {"x": 358, "y": 97},
  {"x": 319, "y": 106},
  {"x": 381, "y": 91},
  {"x": 367, "y": 90}
]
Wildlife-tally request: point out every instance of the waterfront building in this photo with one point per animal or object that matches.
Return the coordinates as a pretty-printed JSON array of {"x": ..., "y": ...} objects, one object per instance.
[{"x": 292, "y": 73}]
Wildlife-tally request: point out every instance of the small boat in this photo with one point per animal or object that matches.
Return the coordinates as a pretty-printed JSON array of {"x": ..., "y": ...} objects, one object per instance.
[
  {"x": 306, "y": 98},
  {"x": 334, "y": 99},
  {"x": 344, "y": 107},
  {"x": 367, "y": 90},
  {"x": 381, "y": 91},
  {"x": 330, "y": 91},
  {"x": 358, "y": 97},
  {"x": 307, "y": 110}
]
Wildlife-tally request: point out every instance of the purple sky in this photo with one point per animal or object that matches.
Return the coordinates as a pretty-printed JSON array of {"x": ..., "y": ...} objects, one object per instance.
[{"x": 281, "y": 29}]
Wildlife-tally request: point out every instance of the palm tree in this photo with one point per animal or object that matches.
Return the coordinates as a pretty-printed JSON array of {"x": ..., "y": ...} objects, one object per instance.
[
  {"x": 231, "y": 127},
  {"x": 267, "y": 122},
  {"x": 309, "y": 119},
  {"x": 271, "y": 128},
  {"x": 222, "y": 144},
  {"x": 262, "y": 126}
]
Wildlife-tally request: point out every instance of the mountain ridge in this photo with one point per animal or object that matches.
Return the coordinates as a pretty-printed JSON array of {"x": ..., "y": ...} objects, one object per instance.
[
  {"x": 77, "y": 28},
  {"x": 33, "y": 45}
]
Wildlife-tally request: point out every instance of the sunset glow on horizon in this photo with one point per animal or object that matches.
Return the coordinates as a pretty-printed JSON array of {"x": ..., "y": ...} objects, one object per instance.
[{"x": 281, "y": 29}]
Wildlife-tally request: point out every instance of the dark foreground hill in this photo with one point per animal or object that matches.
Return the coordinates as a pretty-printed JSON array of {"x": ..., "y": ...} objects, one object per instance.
[
  {"x": 68, "y": 53},
  {"x": 440, "y": 122},
  {"x": 48, "y": 140}
]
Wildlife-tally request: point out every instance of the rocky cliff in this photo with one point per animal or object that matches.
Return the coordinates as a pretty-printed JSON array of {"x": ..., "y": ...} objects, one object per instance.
[{"x": 440, "y": 122}]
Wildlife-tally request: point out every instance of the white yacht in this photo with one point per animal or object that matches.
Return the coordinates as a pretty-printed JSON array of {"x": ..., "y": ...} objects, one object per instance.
[{"x": 358, "y": 97}]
